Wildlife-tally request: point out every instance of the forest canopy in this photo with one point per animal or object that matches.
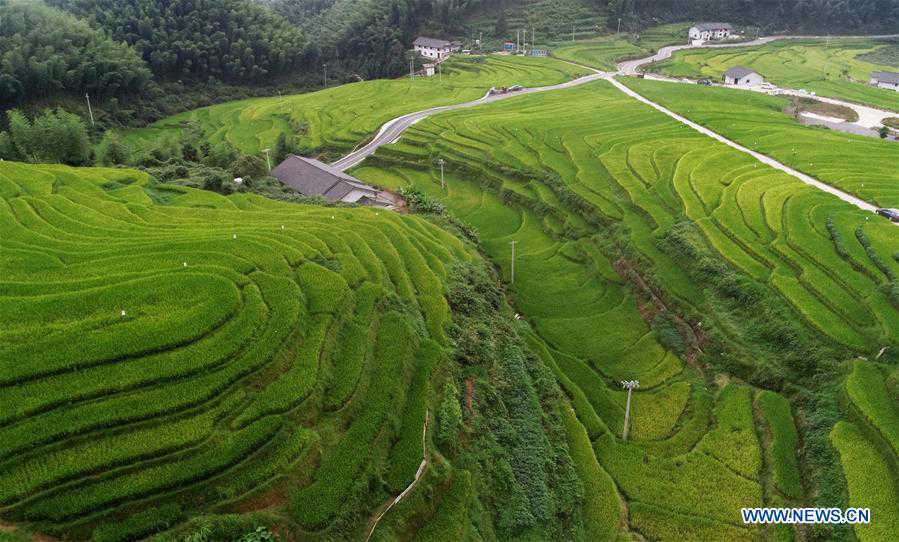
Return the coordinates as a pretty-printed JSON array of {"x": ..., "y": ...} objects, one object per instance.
[
  {"x": 230, "y": 40},
  {"x": 44, "y": 52}
]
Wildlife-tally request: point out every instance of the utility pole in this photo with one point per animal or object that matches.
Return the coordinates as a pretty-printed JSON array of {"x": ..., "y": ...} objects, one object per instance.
[
  {"x": 619, "y": 25},
  {"x": 268, "y": 158},
  {"x": 412, "y": 69},
  {"x": 513, "y": 263},
  {"x": 89, "y": 110},
  {"x": 325, "y": 69},
  {"x": 517, "y": 40},
  {"x": 629, "y": 385},
  {"x": 442, "y": 178},
  {"x": 572, "y": 31}
]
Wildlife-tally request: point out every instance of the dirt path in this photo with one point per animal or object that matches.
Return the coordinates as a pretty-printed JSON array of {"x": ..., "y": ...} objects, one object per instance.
[{"x": 373, "y": 524}]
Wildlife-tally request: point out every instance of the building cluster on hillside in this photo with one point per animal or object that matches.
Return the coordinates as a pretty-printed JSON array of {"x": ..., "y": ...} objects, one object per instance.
[
  {"x": 312, "y": 178},
  {"x": 710, "y": 31},
  {"x": 887, "y": 80}
]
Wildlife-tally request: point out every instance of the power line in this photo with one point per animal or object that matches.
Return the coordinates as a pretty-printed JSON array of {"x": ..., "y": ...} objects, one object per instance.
[{"x": 630, "y": 385}]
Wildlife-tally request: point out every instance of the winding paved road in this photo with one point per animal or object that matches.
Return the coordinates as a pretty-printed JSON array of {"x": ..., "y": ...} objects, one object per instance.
[{"x": 393, "y": 130}]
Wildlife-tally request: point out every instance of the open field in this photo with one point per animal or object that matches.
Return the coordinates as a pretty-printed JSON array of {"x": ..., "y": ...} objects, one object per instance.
[
  {"x": 837, "y": 68},
  {"x": 336, "y": 120},
  {"x": 165, "y": 351},
  {"x": 553, "y": 179},
  {"x": 604, "y": 53},
  {"x": 862, "y": 166}
]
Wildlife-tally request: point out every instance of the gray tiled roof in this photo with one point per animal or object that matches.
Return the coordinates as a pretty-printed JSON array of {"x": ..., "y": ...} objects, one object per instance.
[
  {"x": 313, "y": 178},
  {"x": 432, "y": 42},
  {"x": 886, "y": 77},
  {"x": 737, "y": 72},
  {"x": 702, "y": 27}
]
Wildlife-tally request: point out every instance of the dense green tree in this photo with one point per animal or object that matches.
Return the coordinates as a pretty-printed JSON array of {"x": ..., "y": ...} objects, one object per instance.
[
  {"x": 112, "y": 151},
  {"x": 45, "y": 52},
  {"x": 232, "y": 40},
  {"x": 55, "y": 136},
  {"x": 249, "y": 167}
]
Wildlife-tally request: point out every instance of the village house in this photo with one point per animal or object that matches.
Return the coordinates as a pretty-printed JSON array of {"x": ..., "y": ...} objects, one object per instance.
[
  {"x": 743, "y": 77},
  {"x": 435, "y": 48},
  {"x": 887, "y": 80},
  {"x": 313, "y": 178},
  {"x": 710, "y": 31}
]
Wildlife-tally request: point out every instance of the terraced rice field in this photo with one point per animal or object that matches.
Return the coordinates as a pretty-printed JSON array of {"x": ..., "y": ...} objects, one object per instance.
[
  {"x": 165, "y": 351},
  {"x": 862, "y": 166},
  {"x": 336, "y": 120},
  {"x": 830, "y": 68},
  {"x": 605, "y": 53},
  {"x": 869, "y": 446},
  {"x": 550, "y": 172}
]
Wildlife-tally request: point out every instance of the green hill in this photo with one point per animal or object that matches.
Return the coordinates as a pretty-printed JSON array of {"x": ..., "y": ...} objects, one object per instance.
[{"x": 166, "y": 352}]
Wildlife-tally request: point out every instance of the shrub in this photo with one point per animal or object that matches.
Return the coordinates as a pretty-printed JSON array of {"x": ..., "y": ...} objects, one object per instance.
[
  {"x": 248, "y": 167},
  {"x": 54, "y": 136}
]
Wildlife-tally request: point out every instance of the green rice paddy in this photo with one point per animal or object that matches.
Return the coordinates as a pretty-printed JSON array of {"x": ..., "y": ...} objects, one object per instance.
[
  {"x": 604, "y": 53},
  {"x": 836, "y": 68},
  {"x": 548, "y": 171},
  {"x": 159, "y": 360},
  {"x": 337, "y": 119}
]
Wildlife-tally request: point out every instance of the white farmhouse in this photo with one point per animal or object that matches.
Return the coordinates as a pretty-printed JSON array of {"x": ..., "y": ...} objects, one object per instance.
[
  {"x": 710, "y": 31},
  {"x": 435, "y": 48},
  {"x": 887, "y": 80},
  {"x": 743, "y": 77}
]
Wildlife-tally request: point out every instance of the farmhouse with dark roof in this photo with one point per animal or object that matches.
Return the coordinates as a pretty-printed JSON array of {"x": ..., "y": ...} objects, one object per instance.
[
  {"x": 887, "y": 80},
  {"x": 435, "y": 48},
  {"x": 711, "y": 31},
  {"x": 313, "y": 178}
]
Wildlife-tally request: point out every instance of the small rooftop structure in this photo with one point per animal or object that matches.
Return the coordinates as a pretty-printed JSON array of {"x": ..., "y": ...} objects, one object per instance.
[
  {"x": 313, "y": 178},
  {"x": 887, "y": 80},
  {"x": 744, "y": 77}
]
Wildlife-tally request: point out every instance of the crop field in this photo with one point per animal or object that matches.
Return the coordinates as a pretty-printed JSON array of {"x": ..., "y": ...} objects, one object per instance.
[
  {"x": 165, "y": 351},
  {"x": 862, "y": 166},
  {"x": 582, "y": 158},
  {"x": 838, "y": 68},
  {"x": 605, "y": 53},
  {"x": 337, "y": 119}
]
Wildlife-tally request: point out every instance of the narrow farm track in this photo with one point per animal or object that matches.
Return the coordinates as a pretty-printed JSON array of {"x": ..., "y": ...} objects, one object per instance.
[{"x": 767, "y": 160}]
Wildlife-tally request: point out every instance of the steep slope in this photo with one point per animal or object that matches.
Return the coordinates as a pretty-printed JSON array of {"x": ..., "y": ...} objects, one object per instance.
[{"x": 166, "y": 352}]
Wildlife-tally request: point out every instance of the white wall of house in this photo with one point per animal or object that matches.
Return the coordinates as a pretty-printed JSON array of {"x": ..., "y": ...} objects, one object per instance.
[
  {"x": 438, "y": 53},
  {"x": 751, "y": 80},
  {"x": 885, "y": 84},
  {"x": 705, "y": 35}
]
